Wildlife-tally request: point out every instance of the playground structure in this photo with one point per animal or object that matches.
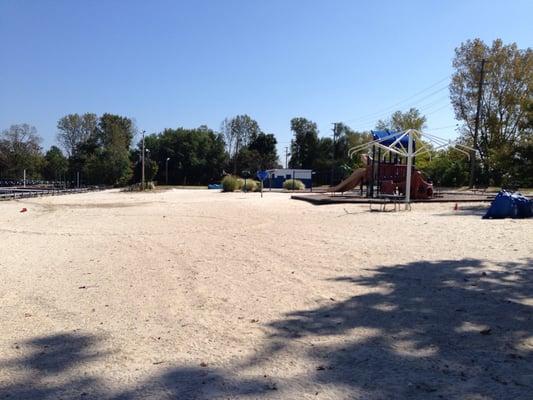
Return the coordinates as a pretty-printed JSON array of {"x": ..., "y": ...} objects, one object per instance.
[{"x": 390, "y": 160}]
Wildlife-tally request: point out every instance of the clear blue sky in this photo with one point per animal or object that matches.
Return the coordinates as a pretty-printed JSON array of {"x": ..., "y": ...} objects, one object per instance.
[{"x": 187, "y": 63}]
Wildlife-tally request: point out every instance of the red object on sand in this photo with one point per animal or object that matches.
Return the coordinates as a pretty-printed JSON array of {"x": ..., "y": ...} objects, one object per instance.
[{"x": 24, "y": 209}]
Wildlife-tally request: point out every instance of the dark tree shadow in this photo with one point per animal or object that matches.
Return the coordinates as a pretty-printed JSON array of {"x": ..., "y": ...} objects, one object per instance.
[
  {"x": 46, "y": 357},
  {"x": 441, "y": 329},
  {"x": 462, "y": 210},
  {"x": 52, "y": 367},
  {"x": 449, "y": 329},
  {"x": 197, "y": 383}
]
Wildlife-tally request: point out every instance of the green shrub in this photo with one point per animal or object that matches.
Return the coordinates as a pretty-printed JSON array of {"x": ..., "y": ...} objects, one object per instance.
[
  {"x": 251, "y": 185},
  {"x": 137, "y": 187},
  {"x": 230, "y": 183},
  {"x": 258, "y": 186},
  {"x": 293, "y": 184}
]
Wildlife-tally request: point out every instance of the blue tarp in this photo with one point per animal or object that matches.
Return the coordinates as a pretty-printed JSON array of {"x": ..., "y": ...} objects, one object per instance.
[
  {"x": 214, "y": 186},
  {"x": 510, "y": 205},
  {"x": 377, "y": 135}
]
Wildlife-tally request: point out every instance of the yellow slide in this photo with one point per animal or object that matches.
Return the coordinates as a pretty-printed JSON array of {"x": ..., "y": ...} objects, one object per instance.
[{"x": 349, "y": 183}]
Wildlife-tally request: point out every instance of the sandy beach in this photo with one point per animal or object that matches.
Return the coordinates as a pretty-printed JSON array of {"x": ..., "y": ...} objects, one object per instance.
[{"x": 196, "y": 294}]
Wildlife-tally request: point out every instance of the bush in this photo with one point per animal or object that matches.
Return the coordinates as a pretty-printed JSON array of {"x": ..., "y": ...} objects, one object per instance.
[
  {"x": 251, "y": 185},
  {"x": 230, "y": 183},
  {"x": 137, "y": 187},
  {"x": 258, "y": 186},
  {"x": 293, "y": 184}
]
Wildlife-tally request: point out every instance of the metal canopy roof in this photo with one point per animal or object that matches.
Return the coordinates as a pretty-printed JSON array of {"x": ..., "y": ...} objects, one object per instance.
[{"x": 388, "y": 137}]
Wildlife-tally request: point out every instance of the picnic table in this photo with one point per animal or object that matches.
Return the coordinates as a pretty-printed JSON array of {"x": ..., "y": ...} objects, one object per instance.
[{"x": 388, "y": 199}]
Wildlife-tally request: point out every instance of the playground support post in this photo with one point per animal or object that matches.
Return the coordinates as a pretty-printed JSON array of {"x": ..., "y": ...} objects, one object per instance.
[{"x": 409, "y": 168}]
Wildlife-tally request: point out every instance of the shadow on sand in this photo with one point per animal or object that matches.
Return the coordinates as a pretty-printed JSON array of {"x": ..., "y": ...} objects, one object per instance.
[
  {"x": 446, "y": 329},
  {"x": 462, "y": 210}
]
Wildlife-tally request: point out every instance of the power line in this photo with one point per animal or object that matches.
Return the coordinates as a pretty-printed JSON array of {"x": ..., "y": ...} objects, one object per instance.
[
  {"x": 405, "y": 99},
  {"x": 425, "y": 110},
  {"x": 410, "y": 105},
  {"x": 437, "y": 110},
  {"x": 443, "y": 127}
]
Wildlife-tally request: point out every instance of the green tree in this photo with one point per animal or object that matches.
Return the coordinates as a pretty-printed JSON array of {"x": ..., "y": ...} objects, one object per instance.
[
  {"x": 196, "y": 156},
  {"x": 20, "y": 149},
  {"x": 151, "y": 168},
  {"x": 260, "y": 154},
  {"x": 55, "y": 164},
  {"x": 522, "y": 168},
  {"x": 103, "y": 157},
  {"x": 238, "y": 133},
  {"x": 75, "y": 129},
  {"x": 447, "y": 168},
  {"x": 508, "y": 84},
  {"x": 346, "y": 139},
  {"x": 114, "y": 136},
  {"x": 304, "y": 145},
  {"x": 401, "y": 121}
]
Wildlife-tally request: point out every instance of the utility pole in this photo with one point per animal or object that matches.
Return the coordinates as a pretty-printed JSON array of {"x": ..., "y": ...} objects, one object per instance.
[
  {"x": 166, "y": 170},
  {"x": 333, "y": 155},
  {"x": 142, "y": 164},
  {"x": 476, "y": 127},
  {"x": 286, "y": 157}
]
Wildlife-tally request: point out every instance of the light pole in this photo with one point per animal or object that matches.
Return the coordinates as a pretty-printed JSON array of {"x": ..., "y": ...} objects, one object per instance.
[
  {"x": 142, "y": 164},
  {"x": 333, "y": 153},
  {"x": 166, "y": 170}
]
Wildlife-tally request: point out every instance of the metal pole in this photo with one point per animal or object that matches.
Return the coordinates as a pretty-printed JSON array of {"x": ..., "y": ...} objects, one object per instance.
[
  {"x": 293, "y": 180},
  {"x": 286, "y": 157},
  {"x": 24, "y": 178},
  {"x": 166, "y": 171},
  {"x": 333, "y": 153},
  {"x": 409, "y": 167},
  {"x": 142, "y": 164},
  {"x": 378, "y": 174},
  {"x": 476, "y": 127},
  {"x": 78, "y": 179}
]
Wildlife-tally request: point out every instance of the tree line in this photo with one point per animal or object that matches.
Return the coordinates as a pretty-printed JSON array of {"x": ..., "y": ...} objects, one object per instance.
[
  {"x": 106, "y": 149},
  {"x": 100, "y": 150}
]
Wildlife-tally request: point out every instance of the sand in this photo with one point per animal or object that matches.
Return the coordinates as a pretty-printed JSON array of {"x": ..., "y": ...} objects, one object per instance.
[{"x": 196, "y": 294}]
